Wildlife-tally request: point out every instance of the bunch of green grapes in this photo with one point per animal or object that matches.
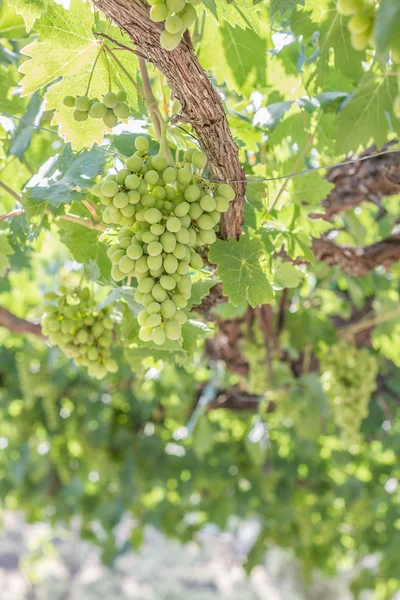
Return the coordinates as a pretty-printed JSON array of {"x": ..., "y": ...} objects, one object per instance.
[
  {"x": 166, "y": 212},
  {"x": 361, "y": 23},
  {"x": 111, "y": 109},
  {"x": 177, "y": 15},
  {"x": 349, "y": 380},
  {"x": 83, "y": 332}
]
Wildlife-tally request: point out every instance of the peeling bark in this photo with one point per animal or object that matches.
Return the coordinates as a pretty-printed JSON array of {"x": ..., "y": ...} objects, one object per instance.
[{"x": 201, "y": 104}]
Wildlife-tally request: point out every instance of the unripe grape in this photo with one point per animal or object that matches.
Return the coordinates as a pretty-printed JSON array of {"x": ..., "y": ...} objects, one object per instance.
[
  {"x": 159, "y": 163},
  {"x": 183, "y": 236},
  {"x": 151, "y": 177},
  {"x": 359, "y": 41},
  {"x": 82, "y": 103},
  {"x": 153, "y": 320},
  {"x": 110, "y": 100},
  {"x": 141, "y": 265},
  {"x": 158, "y": 292},
  {"x": 169, "y": 176},
  {"x": 158, "y": 336},
  {"x": 180, "y": 317},
  {"x": 157, "y": 229},
  {"x": 180, "y": 301},
  {"x": 133, "y": 197},
  {"x": 117, "y": 274},
  {"x": 121, "y": 110},
  {"x": 126, "y": 264},
  {"x": 199, "y": 159},
  {"x": 153, "y": 215},
  {"x": 205, "y": 222},
  {"x": 96, "y": 190},
  {"x": 154, "y": 248},
  {"x": 125, "y": 243},
  {"x": 110, "y": 120},
  {"x": 349, "y": 7},
  {"x": 120, "y": 200},
  {"x": 145, "y": 334},
  {"x": 122, "y": 175},
  {"x": 80, "y": 115},
  {"x": 221, "y": 204},
  {"x": 141, "y": 143},
  {"x": 216, "y": 216},
  {"x": 167, "y": 282},
  {"x": 173, "y": 24},
  {"x": 170, "y": 264},
  {"x": 168, "y": 309},
  {"x": 173, "y": 224},
  {"x": 148, "y": 200},
  {"x": 147, "y": 299},
  {"x": 158, "y": 13},
  {"x": 175, "y": 6},
  {"x": 111, "y": 365},
  {"x": 226, "y": 191},
  {"x": 196, "y": 262},
  {"x": 97, "y": 110},
  {"x": 159, "y": 193},
  {"x": 206, "y": 237},
  {"x": 172, "y": 330},
  {"x": 192, "y": 193},
  {"x": 188, "y": 16},
  {"x": 146, "y": 285},
  {"x": 121, "y": 96},
  {"x": 179, "y": 251},
  {"x": 208, "y": 203},
  {"x": 153, "y": 307},
  {"x": 183, "y": 268},
  {"x": 185, "y": 176},
  {"x": 182, "y": 209},
  {"x": 185, "y": 284},
  {"x": 360, "y": 23},
  {"x": 69, "y": 101},
  {"x": 155, "y": 262},
  {"x": 142, "y": 318},
  {"x": 148, "y": 237},
  {"x": 109, "y": 188},
  {"x": 134, "y": 163}
]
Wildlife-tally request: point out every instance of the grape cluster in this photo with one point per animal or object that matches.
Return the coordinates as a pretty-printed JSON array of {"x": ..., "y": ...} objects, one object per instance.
[
  {"x": 111, "y": 109},
  {"x": 361, "y": 22},
  {"x": 166, "y": 211},
  {"x": 82, "y": 331},
  {"x": 349, "y": 379},
  {"x": 177, "y": 15}
]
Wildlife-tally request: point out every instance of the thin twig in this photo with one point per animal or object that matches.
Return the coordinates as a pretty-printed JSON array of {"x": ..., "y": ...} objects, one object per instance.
[
  {"x": 13, "y": 213},
  {"x": 91, "y": 209},
  {"x": 10, "y": 191},
  {"x": 121, "y": 66},
  {"x": 88, "y": 223},
  {"x": 122, "y": 45},
  {"x": 367, "y": 323}
]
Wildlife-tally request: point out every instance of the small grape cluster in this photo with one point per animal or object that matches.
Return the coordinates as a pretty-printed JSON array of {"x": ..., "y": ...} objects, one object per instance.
[
  {"x": 111, "y": 109},
  {"x": 361, "y": 22},
  {"x": 83, "y": 332},
  {"x": 177, "y": 15},
  {"x": 165, "y": 212},
  {"x": 349, "y": 379}
]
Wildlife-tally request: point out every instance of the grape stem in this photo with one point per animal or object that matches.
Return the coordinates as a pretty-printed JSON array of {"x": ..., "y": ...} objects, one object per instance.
[
  {"x": 160, "y": 125},
  {"x": 88, "y": 223},
  {"x": 93, "y": 67},
  {"x": 121, "y": 66},
  {"x": 107, "y": 37}
]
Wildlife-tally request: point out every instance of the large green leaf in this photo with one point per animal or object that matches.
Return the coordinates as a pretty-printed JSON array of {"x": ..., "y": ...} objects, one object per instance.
[
  {"x": 85, "y": 246},
  {"x": 235, "y": 12},
  {"x": 23, "y": 134},
  {"x": 364, "y": 117},
  {"x": 30, "y": 10},
  {"x": 283, "y": 6},
  {"x": 240, "y": 270},
  {"x": 387, "y": 26}
]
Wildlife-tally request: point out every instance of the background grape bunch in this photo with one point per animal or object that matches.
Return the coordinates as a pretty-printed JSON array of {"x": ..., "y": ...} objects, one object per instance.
[
  {"x": 361, "y": 24},
  {"x": 166, "y": 212},
  {"x": 349, "y": 379},
  {"x": 82, "y": 331},
  {"x": 177, "y": 15},
  {"x": 111, "y": 109}
]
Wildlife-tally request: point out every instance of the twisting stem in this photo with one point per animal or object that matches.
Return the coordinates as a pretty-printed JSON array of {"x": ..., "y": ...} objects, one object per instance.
[
  {"x": 10, "y": 191},
  {"x": 103, "y": 35},
  {"x": 109, "y": 72},
  {"x": 129, "y": 76},
  {"x": 13, "y": 213},
  {"x": 91, "y": 209}
]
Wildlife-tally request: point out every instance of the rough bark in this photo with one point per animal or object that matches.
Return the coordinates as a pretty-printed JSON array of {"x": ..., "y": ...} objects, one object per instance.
[
  {"x": 365, "y": 181},
  {"x": 17, "y": 325},
  {"x": 358, "y": 261},
  {"x": 201, "y": 104}
]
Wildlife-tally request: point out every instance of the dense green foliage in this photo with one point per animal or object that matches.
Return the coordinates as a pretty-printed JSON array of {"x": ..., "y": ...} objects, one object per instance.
[{"x": 138, "y": 423}]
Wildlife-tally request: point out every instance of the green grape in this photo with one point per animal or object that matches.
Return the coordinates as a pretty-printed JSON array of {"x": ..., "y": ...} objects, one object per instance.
[
  {"x": 183, "y": 268},
  {"x": 141, "y": 144},
  {"x": 145, "y": 334},
  {"x": 170, "y": 41},
  {"x": 173, "y": 224},
  {"x": 153, "y": 320},
  {"x": 122, "y": 175},
  {"x": 360, "y": 23},
  {"x": 359, "y": 41},
  {"x": 148, "y": 237},
  {"x": 146, "y": 285},
  {"x": 153, "y": 307},
  {"x": 134, "y": 163},
  {"x": 133, "y": 197},
  {"x": 147, "y": 299},
  {"x": 179, "y": 252},
  {"x": 82, "y": 103},
  {"x": 97, "y": 110},
  {"x": 158, "y": 13},
  {"x": 215, "y": 216},
  {"x": 110, "y": 120},
  {"x": 126, "y": 264},
  {"x": 159, "y": 193},
  {"x": 158, "y": 292},
  {"x": 208, "y": 203},
  {"x": 349, "y": 7},
  {"x": 192, "y": 193},
  {"x": 121, "y": 96},
  {"x": 120, "y": 200},
  {"x": 226, "y": 191},
  {"x": 169, "y": 176},
  {"x": 167, "y": 282},
  {"x": 157, "y": 229},
  {"x": 154, "y": 248},
  {"x": 69, "y": 101},
  {"x": 142, "y": 318},
  {"x": 121, "y": 110},
  {"x": 180, "y": 317},
  {"x": 128, "y": 211},
  {"x": 80, "y": 115},
  {"x": 221, "y": 203},
  {"x": 185, "y": 284},
  {"x": 155, "y": 262},
  {"x": 183, "y": 236},
  {"x": 170, "y": 264},
  {"x": 206, "y": 237},
  {"x": 159, "y": 163},
  {"x": 175, "y": 6},
  {"x": 188, "y": 16},
  {"x": 196, "y": 262},
  {"x": 153, "y": 215},
  {"x": 173, "y": 24},
  {"x": 205, "y": 222},
  {"x": 110, "y": 100},
  {"x": 109, "y": 188},
  {"x": 111, "y": 365},
  {"x": 167, "y": 308},
  {"x": 182, "y": 209},
  {"x": 151, "y": 177},
  {"x": 185, "y": 176},
  {"x": 148, "y": 201},
  {"x": 158, "y": 336},
  {"x": 199, "y": 159},
  {"x": 141, "y": 265},
  {"x": 195, "y": 211},
  {"x": 172, "y": 330}
]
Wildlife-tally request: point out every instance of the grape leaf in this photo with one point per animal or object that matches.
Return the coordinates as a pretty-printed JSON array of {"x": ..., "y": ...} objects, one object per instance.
[
  {"x": 387, "y": 25},
  {"x": 363, "y": 118},
  {"x": 283, "y": 6},
  {"x": 84, "y": 245},
  {"x": 240, "y": 270},
  {"x": 269, "y": 116},
  {"x": 288, "y": 276},
  {"x": 30, "y": 10},
  {"x": 200, "y": 289},
  {"x": 67, "y": 175},
  {"x": 11, "y": 25},
  {"x": 202, "y": 436},
  {"x": 310, "y": 188},
  {"x": 5, "y": 251},
  {"x": 23, "y": 134},
  {"x": 236, "y": 12}
]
